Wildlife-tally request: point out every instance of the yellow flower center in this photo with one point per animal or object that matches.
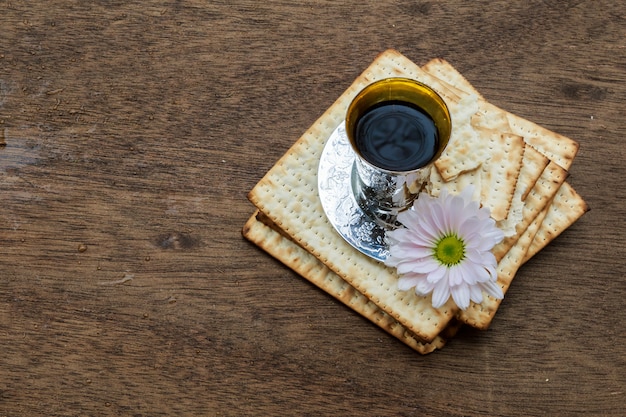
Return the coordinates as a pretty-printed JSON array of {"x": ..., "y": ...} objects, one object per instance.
[{"x": 450, "y": 250}]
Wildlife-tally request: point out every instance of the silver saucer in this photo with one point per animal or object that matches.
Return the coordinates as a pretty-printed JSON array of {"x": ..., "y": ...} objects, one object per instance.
[{"x": 335, "y": 177}]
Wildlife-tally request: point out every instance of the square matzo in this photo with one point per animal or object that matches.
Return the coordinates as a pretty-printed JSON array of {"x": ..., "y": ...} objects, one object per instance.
[{"x": 288, "y": 197}]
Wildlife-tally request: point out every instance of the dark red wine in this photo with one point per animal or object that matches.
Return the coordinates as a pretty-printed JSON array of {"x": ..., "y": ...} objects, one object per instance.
[{"x": 396, "y": 136}]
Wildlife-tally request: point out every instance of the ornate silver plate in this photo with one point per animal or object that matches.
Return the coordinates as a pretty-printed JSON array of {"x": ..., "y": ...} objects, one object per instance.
[{"x": 336, "y": 176}]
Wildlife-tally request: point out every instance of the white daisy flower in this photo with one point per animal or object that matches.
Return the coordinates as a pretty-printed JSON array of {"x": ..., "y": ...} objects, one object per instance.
[{"x": 445, "y": 247}]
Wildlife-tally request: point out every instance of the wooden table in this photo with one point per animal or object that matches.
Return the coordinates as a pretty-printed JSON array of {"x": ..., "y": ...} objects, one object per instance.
[{"x": 131, "y": 133}]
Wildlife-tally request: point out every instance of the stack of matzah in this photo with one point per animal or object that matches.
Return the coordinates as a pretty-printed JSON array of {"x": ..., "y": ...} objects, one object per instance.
[{"x": 518, "y": 170}]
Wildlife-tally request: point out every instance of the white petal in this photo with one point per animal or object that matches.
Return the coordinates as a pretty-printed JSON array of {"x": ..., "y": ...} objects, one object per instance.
[
  {"x": 422, "y": 202},
  {"x": 490, "y": 263},
  {"x": 405, "y": 249},
  {"x": 493, "y": 289},
  {"x": 476, "y": 294},
  {"x": 418, "y": 227},
  {"x": 457, "y": 220},
  {"x": 441, "y": 293},
  {"x": 413, "y": 265},
  {"x": 469, "y": 231},
  {"x": 485, "y": 260},
  {"x": 491, "y": 270},
  {"x": 405, "y": 266},
  {"x": 422, "y": 236},
  {"x": 488, "y": 239},
  {"x": 461, "y": 296},
  {"x": 484, "y": 213},
  {"x": 428, "y": 231},
  {"x": 408, "y": 282},
  {"x": 456, "y": 214},
  {"x": 410, "y": 250},
  {"x": 408, "y": 218},
  {"x": 475, "y": 273},
  {"x": 424, "y": 287},
  {"x": 437, "y": 274},
  {"x": 425, "y": 266},
  {"x": 392, "y": 261},
  {"x": 398, "y": 235},
  {"x": 474, "y": 208},
  {"x": 437, "y": 218},
  {"x": 455, "y": 276}
]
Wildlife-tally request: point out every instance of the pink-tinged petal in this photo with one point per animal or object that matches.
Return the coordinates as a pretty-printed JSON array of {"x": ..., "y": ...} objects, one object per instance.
[
  {"x": 437, "y": 274},
  {"x": 407, "y": 282},
  {"x": 419, "y": 266},
  {"x": 428, "y": 230},
  {"x": 484, "y": 260},
  {"x": 455, "y": 275},
  {"x": 469, "y": 230},
  {"x": 493, "y": 289},
  {"x": 400, "y": 236},
  {"x": 409, "y": 250},
  {"x": 457, "y": 214},
  {"x": 437, "y": 217},
  {"x": 441, "y": 293},
  {"x": 473, "y": 207},
  {"x": 424, "y": 287},
  {"x": 422, "y": 204},
  {"x": 425, "y": 266},
  {"x": 452, "y": 213},
  {"x": 408, "y": 218},
  {"x": 404, "y": 246},
  {"x": 418, "y": 227},
  {"x": 475, "y": 273},
  {"x": 401, "y": 260},
  {"x": 461, "y": 296},
  {"x": 491, "y": 270},
  {"x": 476, "y": 294},
  {"x": 391, "y": 262},
  {"x": 484, "y": 213},
  {"x": 469, "y": 274},
  {"x": 490, "y": 263},
  {"x": 422, "y": 236},
  {"x": 489, "y": 239}
]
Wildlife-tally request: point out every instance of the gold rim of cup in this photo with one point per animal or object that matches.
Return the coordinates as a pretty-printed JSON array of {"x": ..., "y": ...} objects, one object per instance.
[{"x": 401, "y": 89}]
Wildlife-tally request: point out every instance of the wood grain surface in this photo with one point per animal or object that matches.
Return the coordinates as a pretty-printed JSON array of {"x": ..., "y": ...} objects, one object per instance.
[{"x": 130, "y": 134}]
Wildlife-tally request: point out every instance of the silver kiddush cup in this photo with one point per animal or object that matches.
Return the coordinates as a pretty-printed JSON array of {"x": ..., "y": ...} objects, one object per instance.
[{"x": 397, "y": 128}]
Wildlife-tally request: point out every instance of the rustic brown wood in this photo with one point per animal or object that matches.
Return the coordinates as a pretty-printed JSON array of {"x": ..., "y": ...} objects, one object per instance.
[{"x": 130, "y": 135}]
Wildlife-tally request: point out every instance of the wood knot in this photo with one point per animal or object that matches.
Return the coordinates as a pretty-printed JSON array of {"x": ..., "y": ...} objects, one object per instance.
[{"x": 177, "y": 240}]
